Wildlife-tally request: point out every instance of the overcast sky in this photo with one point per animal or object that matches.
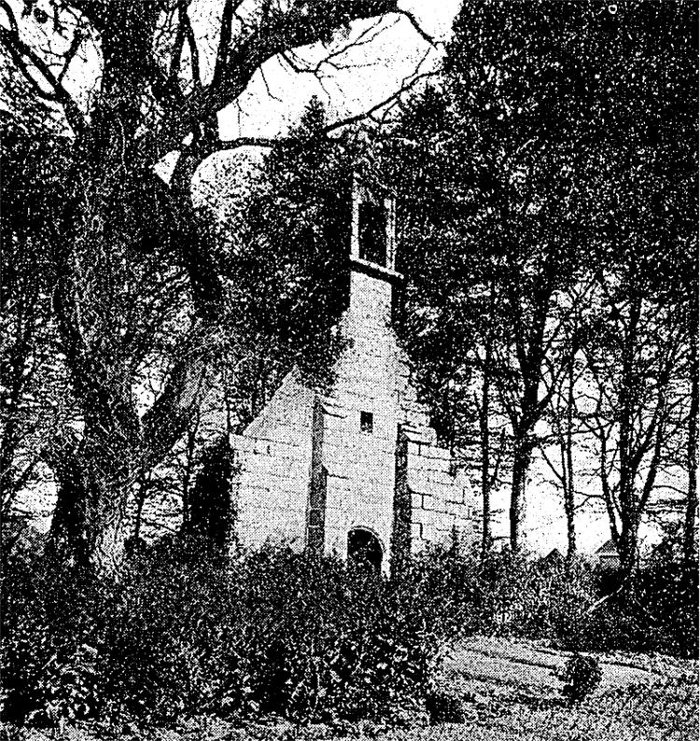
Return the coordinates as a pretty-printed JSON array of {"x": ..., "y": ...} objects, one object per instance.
[{"x": 388, "y": 52}]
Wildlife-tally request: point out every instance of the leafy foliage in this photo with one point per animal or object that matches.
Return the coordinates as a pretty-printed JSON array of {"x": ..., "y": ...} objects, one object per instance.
[
  {"x": 581, "y": 676},
  {"x": 273, "y": 633},
  {"x": 555, "y": 161},
  {"x": 312, "y": 640},
  {"x": 286, "y": 266}
]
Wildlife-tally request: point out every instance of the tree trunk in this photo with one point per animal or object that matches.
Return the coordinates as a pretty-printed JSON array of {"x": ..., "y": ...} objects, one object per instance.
[
  {"x": 569, "y": 476},
  {"x": 627, "y": 543},
  {"x": 691, "y": 505},
  {"x": 628, "y": 547},
  {"x": 95, "y": 482},
  {"x": 530, "y": 350},
  {"x": 485, "y": 431},
  {"x": 521, "y": 465},
  {"x": 485, "y": 475},
  {"x": 68, "y": 537}
]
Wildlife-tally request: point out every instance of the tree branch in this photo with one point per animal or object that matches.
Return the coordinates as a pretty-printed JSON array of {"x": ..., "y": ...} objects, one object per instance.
[
  {"x": 188, "y": 380},
  {"x": 418, "y": 28},
  {"x": 24, "y": 57},
  {"x": 277, "y": 33}
]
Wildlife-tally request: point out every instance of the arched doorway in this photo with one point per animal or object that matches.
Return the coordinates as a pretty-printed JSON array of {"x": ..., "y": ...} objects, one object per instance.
[{"x": 364, "y": 549}]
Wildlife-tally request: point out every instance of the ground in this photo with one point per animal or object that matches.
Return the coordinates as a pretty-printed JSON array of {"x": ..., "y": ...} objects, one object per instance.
[{"x": 509, "y": 690}]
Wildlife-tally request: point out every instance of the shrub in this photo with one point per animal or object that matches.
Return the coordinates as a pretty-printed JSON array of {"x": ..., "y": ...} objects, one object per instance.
[
  {"x": 310, "y": 639},
  {"x": 273, "y": 632},
  {"x": 581, "y": 675},
  {"x": 503, "y": 594},
  {"x": 444, "y": 707},
  {"x": 654, "y": 610}
]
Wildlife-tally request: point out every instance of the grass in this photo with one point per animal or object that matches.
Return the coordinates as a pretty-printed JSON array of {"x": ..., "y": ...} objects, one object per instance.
[{"x": 666, "y": 711}]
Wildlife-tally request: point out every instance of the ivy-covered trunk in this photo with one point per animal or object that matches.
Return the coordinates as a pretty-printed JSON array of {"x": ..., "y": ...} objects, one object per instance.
[
  {"x": 691, "y": 506},
  {"x": 100, "y": 303}
]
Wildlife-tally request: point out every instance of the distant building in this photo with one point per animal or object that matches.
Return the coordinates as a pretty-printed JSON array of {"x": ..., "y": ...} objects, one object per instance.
[
  {"x": 607, "y": 555},
  {"x": 553, "y": 560},
  {"x": 357, "y": 470}
]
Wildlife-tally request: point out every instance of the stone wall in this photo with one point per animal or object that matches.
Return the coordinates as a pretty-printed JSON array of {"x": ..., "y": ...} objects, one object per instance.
[
  {"x": 270, "y": 494},
  {"x": 294, "y": 459},
  {"x": 442, "y": 502}
]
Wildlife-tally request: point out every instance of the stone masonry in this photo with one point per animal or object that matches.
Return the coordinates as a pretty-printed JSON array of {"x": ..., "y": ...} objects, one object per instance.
[{"x": 314, "y": 467}]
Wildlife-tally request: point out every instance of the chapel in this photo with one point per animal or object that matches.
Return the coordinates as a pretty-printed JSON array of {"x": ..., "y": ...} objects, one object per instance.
[{"x": 355, "y": 471}]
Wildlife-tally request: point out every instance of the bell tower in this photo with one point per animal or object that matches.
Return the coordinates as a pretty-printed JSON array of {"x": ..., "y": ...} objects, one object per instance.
[
  {"x": 372, "y": 253},
  {"x": 373, "y": 226}
]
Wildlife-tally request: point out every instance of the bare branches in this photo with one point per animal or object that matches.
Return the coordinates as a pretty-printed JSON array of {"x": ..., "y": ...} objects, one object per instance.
[
  {"x": 275, "y": 33},
  {"x": 185, "y": 27},
  {"x": 49, "y": 87},
  {"x": 75, "y": 43},
  {"x": 378, "y": 106},
  {"x": 93, "y": 10},
  {"x": 341, "y": 123},
  {"x": 417, "y": 27}
]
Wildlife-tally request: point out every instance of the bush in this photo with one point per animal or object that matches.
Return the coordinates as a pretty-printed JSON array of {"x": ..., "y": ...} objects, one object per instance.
[
  {"x": 576, "y": 606},
  {"x": 582, "y": 674},
  {"x": 503, "y": 594},
  {"x": 274, "y": 632},
  {"x": 309, "y": 639},
  {"x": 655, "y": 610},
  {"x": 445, "y": 707}
]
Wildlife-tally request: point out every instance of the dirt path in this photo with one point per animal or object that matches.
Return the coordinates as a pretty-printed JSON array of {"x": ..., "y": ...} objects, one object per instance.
[{"x": 501, "y": 667}]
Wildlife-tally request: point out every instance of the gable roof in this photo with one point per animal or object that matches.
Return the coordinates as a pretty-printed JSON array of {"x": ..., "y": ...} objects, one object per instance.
[{"x": 607, "y": 549}]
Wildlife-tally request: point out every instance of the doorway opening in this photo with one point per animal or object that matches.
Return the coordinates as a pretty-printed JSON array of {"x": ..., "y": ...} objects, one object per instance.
[{"x": 364, "y": 549}]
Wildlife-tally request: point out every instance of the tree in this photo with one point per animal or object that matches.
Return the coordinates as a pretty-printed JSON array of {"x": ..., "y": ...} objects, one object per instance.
[
  {"x": 34, "y": 398},
  {"x": 543, "y": 106},
  {"x": 636, "y": 390},
  {"x": 510, "y": 204},
  {"x": 286, "y": 266},
  {"x": 561, "y": 417},
  {"x": 646, "y": 216},
  {"x": 132, "y": 258}
]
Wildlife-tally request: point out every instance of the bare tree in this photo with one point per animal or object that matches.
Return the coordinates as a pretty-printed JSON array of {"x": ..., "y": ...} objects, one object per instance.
[
  {"x": 34, "y": 398},
  {"x": 635, "y": 409}
]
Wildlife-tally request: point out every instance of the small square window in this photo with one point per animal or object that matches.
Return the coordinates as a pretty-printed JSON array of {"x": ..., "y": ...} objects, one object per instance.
[{"x": 366, "y": 421}]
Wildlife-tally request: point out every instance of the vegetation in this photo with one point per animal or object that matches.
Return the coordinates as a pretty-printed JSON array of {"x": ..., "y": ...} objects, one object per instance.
[
  {"x": 272, "y": 633},
  {"x": 549, "y": 240},
  {"x": 548, "y": 211},
  {"x": 310, "y": 640},
  {"x": 582, "y": 675}
]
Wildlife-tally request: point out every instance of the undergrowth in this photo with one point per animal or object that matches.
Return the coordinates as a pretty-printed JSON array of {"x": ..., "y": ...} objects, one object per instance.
[{"x": 308, "y": 639}]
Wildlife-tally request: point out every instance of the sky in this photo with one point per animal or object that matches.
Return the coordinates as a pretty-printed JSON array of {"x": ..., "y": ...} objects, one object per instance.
[{"x": 388, "y": 52}]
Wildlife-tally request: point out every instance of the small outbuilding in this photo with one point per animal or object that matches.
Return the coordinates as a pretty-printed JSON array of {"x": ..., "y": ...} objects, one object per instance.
[{"x": 607, "y": 555}]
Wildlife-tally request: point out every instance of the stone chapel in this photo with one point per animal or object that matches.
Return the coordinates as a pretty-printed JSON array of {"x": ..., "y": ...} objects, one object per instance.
[{"x": 356, "y": 470}]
